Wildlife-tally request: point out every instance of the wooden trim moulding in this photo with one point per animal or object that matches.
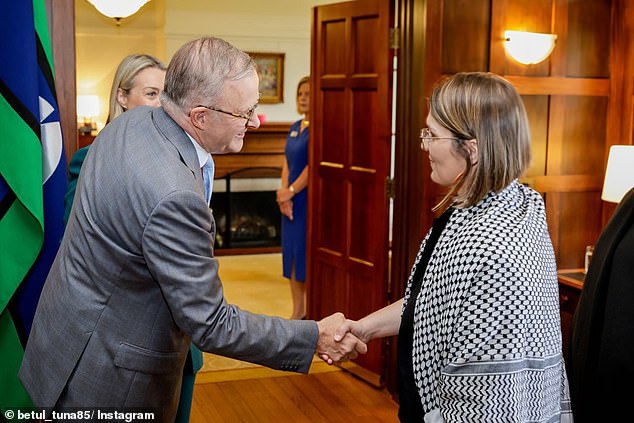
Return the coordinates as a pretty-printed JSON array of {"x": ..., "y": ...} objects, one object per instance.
[{"x": 527, "y": 85}]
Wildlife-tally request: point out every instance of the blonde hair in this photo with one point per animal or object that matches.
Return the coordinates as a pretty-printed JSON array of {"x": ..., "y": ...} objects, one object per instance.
[
  {"x": 127, "y": 70},
  {"x": 198, "y": 70},
  {"x": 485, "y": 107}
]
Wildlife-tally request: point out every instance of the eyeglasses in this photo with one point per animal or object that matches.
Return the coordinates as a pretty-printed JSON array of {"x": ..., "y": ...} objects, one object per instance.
[
  {"x": 247, "y": 116},
  {"x": 426, "y": 137}
]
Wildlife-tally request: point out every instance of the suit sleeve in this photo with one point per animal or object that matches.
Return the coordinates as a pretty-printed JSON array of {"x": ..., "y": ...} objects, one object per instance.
[{"x": 177, "y": 245}]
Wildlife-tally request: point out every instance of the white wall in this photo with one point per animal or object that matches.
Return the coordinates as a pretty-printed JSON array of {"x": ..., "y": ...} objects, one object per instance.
[
  {"x": 101, "y": 45},
  {"x": 161, "y": 26},
  {"x": 277, "y": 26}
]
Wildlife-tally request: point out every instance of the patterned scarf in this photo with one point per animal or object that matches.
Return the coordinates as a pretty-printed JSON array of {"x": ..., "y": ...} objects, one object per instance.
[{"x": 487, "y": 334}]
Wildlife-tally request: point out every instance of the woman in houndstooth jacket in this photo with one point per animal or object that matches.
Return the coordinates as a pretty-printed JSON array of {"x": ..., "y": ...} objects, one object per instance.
[{"x": 479, "y": 330}]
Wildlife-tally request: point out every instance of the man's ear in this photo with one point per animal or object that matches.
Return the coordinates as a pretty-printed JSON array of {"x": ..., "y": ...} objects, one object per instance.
[
  {"x": 197, "y": 116},
  {"x": 472, "y": 145}
]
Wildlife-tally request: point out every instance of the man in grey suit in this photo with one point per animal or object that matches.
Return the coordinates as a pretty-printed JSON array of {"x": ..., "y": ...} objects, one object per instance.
[{"x": 135, "y": 278}]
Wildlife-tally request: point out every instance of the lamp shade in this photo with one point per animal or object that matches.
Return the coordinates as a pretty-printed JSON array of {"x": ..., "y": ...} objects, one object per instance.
[
  {"x": 87, "y": 106},
  {"x": 529, "y": 47},
  {"x": 619, "y": 173},
  {"x": 117, "y": 9}
]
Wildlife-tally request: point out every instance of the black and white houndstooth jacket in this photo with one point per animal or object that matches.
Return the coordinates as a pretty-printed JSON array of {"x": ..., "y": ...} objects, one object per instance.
[{"x": 487, "y": 335}]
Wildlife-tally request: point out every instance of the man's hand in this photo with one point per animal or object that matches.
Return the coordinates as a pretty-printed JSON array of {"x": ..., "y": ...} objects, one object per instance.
[
  {"x": 353, "y": 327},
  {"x": 331, "y": 350}
]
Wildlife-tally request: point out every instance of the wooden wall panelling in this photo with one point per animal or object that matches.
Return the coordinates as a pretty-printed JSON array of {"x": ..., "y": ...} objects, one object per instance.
[
  {"x": 556, "y": 85},
  {"x": 575, "y": 81},
  {"x": 579, "y": 225},
  {"x": 497, "y": 57},
  {"x": 568, "y": 93},
  {"x": 583, "y": 141},
  {"x": 558, "y": 57},
  {"x": 537, "y": 111},
  {"x": 470, "y": 19},
  {"x": 621, "y": 62},
  {"x": 583, "y": 35},
  {"x": 554, "y": 157},
  {"x": 576, "y": 137},
  {"x": 619, "y": 125}
]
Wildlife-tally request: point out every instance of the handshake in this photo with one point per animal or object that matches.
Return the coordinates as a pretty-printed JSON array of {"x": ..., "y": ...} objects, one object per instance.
[{"x": 340, "y": 339}]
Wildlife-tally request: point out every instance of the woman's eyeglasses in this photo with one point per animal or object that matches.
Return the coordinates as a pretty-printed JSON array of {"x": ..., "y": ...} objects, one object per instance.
[{"x": 426, "y": 137}]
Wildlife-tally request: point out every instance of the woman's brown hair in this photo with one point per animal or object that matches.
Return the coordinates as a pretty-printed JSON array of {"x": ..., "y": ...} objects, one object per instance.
[{"x": 485, "y": 107}]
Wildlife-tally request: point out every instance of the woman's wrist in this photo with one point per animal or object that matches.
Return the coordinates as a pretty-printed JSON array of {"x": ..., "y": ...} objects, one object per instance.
[{"x": 291, "y": 188}]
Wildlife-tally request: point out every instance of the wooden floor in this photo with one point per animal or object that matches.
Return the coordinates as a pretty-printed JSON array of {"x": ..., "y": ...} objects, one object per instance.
[
  {"x": 227, "y": 391},
  {"x": 322, "y": 397}
]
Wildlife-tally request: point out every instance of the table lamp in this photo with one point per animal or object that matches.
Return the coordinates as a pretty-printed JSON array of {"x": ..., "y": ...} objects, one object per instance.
[
  {"x": 619, "y": 173},
  {"x": 87, "y": 111}
]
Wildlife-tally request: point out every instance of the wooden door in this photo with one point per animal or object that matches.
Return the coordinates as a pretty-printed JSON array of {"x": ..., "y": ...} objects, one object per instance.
[{"x": 349, "y": 162}]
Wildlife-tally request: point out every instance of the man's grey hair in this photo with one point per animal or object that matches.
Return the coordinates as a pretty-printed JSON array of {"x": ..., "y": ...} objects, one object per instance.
[{"x": 199, "y": 69}]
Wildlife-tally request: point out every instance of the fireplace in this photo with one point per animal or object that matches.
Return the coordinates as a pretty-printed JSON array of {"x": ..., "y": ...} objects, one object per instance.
[
  {"x": 244, "y": 206},
  {"x": 248, "y": 220}
]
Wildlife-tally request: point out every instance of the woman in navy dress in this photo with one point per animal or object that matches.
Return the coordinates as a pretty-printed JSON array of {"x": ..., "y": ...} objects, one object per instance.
[{"x": 292, "y": 199}]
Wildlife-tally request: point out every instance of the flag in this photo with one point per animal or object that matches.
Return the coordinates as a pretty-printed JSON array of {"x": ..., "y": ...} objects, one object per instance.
[{"x": 32, "y": 181}]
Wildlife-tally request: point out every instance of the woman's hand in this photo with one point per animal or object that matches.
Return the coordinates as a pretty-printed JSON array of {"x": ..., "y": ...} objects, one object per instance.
[
  {"x": 284, "y": 201},
  {"x": 284, "y": 195},
  {"x": 286, "y": 208}
]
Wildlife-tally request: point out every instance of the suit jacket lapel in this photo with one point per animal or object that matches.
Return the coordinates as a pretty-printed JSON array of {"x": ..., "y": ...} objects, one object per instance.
[{"x": 178, "y": 138}]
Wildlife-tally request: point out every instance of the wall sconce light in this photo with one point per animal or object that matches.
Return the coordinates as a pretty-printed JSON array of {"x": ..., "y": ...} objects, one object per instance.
[
  {"x": 619, "y": 173},
  {"x": 87, "y": 111},
  {"x": 529, "y": 48},
  {"x": 117, "y": 9}
]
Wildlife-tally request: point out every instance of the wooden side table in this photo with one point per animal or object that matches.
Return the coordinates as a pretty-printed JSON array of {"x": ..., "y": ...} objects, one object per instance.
[{"x": 570, "y": 286}]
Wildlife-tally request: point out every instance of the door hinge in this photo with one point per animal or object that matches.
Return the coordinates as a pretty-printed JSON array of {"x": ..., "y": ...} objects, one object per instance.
[
  {"x": 395, "y": 38},
  {"x": 390, "y": 188}
]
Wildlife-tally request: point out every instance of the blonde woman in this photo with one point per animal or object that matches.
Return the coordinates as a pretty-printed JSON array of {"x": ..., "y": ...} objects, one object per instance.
[{"x": 138, "y": 81}]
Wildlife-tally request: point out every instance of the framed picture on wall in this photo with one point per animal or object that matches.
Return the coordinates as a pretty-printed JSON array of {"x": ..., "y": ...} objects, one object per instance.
[{"x": 270, "y": 67}]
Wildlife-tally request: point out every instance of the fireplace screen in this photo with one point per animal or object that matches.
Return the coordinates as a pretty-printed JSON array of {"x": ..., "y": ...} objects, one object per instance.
[{"x": 245, "y": 210}]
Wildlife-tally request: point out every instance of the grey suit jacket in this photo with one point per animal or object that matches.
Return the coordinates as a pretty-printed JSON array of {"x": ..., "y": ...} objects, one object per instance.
[{"x": 135, "y": 279}]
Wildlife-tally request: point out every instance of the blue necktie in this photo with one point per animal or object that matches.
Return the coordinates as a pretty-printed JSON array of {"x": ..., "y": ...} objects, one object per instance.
[{"x": 208, "y": 178}]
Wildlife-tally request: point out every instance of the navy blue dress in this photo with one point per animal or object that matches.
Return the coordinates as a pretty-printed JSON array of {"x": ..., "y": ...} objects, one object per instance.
[{"x": 294, "y": 232}]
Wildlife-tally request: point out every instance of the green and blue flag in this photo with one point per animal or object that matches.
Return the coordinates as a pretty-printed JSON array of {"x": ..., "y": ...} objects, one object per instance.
[{"x": 32, "y": 181}]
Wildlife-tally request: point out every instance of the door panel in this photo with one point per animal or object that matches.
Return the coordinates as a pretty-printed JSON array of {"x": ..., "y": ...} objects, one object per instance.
[
  {"x": 349, "y": 163},
  {"x": 331, "y": 237}
]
